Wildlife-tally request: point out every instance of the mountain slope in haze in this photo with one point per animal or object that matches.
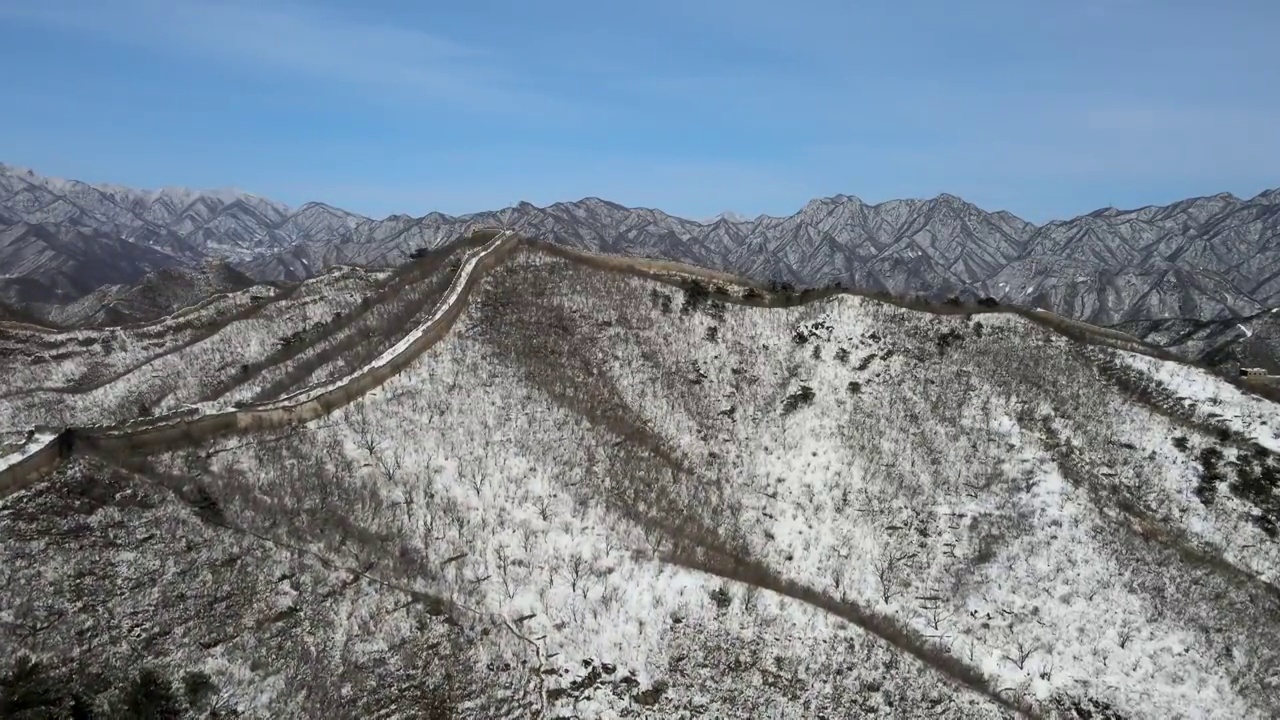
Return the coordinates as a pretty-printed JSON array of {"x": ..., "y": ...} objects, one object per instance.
[
  {"x": 52, "y": 263},
  {"x": 1201, "y": 258},
  {"x": 157, "y": 294},
  {"x": 600, "y": 495},
  {"x": 1227, "y": 344}
]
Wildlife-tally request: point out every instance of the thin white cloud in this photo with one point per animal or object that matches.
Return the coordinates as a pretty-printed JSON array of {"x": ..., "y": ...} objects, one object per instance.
[{"x": 278, "y": 37}]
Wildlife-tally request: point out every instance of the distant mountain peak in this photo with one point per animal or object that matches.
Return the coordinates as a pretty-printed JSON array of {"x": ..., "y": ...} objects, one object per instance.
[
  {"x": 825, "y": 204},
  {"x": 1269, "y": 197},
  {"x": 316, "y": 205},
  {"x": 592, "y": 200},
  {"x": 728, "y": 216},
  {"x": 223, "y": 195}
]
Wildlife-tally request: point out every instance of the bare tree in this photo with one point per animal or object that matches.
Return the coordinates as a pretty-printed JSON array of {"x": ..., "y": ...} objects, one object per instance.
[
  {"x": 1023, "y": 649},
  {"x": 576, "y": 568},
  {"x": 890, "y": 568},
  {"x": 390, "y": 463},
  {"x": 458, "y": 518},
  {"x": 653, "y": 536},
  {"x": 363, "y": 426},
  {"x": 1124, "y": 635},
  {"x": 504, "y": 570},
  {"x": 936, "y": 613},
  {"x": 526, "y": 538},
  {"x": 430, "y": 529},
  {"x": 610, "y": 543},
  {"x": 544, "y": 503},
  {"x": 475, "y": 479},
  {"x": 30, "y": 618}
]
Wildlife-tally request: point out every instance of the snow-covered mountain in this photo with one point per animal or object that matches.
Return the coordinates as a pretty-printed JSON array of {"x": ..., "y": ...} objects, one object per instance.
[
  {"x": 57, "y": 263},
  {"x": 185, "y": 223},
  {"x": 1200, "y": 258},
  {"x": 729, "y": 216},
  {"x": 159, "y": 293},
  {"x": 1231, "y": 343},
  {"x": 601, "y": 494}
]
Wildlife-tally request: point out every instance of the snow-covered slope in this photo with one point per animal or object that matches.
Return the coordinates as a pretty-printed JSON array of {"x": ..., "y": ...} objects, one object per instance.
[
  {"x": 93, "y": 376},
  {"x": 603, "y": 496}
]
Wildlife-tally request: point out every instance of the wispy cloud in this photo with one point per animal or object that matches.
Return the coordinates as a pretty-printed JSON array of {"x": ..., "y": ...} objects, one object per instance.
[{"x": 283, "y": 38}]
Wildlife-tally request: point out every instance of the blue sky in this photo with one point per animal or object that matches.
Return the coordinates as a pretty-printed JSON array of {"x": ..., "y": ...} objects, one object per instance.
[{"x": 1046, "y": 108}]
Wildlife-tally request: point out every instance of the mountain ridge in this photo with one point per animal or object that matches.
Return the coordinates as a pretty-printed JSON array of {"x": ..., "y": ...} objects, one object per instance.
[{"x": 1205, "y": 258}]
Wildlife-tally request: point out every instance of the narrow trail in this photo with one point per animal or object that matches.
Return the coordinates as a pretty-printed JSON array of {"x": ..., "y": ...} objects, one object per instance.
[
  {"x": 352, "y": 342},
  {"x": 1133, "y": 383},
  {"x": 696, "y": 555},
  {"x": 54, "y": 330}
]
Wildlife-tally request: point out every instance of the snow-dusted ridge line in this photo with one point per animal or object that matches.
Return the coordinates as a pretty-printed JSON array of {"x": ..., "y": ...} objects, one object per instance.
[
  {"x": 272, "y": 293},
  {"x": 195, "y": 423},
  {"x": 250, "y": 310},
  {"x": 452, "y": 295},
  {"x": 178, "y": 314},
  {"x": 200, "y": 422},
  {"x": 210, "y": 419},
  {"x": 295, "y": 405},
  {"x": 757, "y": 294}
]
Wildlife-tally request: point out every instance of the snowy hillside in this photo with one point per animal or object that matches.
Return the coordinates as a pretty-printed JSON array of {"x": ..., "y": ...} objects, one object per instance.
[
  {"x": 600, "y": 495},
  {"x": 94, "y": 376}
]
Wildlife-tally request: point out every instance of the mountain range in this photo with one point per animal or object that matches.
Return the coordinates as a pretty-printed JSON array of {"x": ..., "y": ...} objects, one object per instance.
[{"x": 1207, "y": 258}]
